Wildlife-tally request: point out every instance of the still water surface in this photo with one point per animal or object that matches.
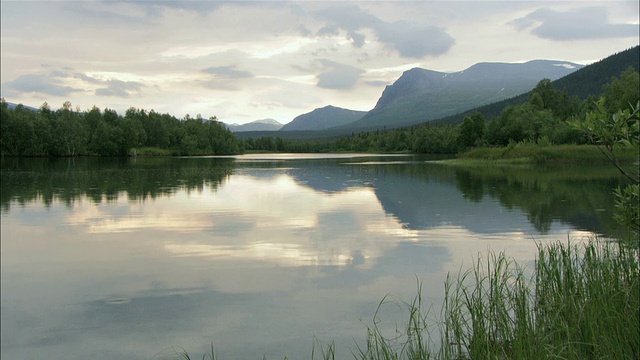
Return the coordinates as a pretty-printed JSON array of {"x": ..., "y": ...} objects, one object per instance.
[{"x": 129, "y": 258}]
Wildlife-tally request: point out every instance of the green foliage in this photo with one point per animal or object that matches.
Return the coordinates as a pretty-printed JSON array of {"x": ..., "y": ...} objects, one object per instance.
[
  {"x": 436, "y": 140},
  {"x": 541, "y": 117},
  {"x": 471, "y": 130},
  {"x": 66, "y": 132},
  {"x": 608, "y": 131},
  {"x": 622, "y": 93},
  {"x": 540, "y": 152}
]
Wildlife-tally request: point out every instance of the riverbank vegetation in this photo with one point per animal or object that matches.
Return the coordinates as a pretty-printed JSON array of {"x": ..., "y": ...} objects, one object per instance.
[{"x": 526, "y": 152}]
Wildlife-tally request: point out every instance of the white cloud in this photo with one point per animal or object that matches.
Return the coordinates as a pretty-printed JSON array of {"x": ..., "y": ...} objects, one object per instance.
[
  {"x": 42, "y": 84},
  {"x": 575, "y": 24},
  {"x": 338, "y": 76},
  {"x": 274, "y": 59}
]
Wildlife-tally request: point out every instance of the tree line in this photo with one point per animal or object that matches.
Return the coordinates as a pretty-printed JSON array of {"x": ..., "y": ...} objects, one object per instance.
[{"x": 69, "y": 132}]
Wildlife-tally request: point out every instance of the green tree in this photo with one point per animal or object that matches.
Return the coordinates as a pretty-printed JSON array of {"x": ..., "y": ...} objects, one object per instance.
[
  {"x": 69, "y": 132},
  {"x": 471, "y": 130},
  {"x": 103, "y": 140},
  {"x": 435, "y": 139},
  {"x": 44, "y": 140},
  {"x": 622, "y": 93},
  {"x": 545, "y": 97}
]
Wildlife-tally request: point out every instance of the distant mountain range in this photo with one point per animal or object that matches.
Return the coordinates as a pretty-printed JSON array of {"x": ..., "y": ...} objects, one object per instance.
[
  {"x": 398, "y": 105},
  {"x": 421, "y": 95},
  {"x": 318, "y": 119},
  {"x": 258, "y": 125},
  {"x": 323, "y": 118},
  {"x": 11, "y": 105}
]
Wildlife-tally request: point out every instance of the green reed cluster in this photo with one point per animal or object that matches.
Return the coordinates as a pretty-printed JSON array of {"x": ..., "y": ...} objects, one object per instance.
[{"x": 580, "y": 302}]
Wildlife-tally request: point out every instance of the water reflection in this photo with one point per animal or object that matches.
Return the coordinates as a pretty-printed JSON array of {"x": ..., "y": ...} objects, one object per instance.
[
  {"x": 420, "y": 195},
  {"x": 104, "y": 179},
  {"x": 124, "y": 258}
]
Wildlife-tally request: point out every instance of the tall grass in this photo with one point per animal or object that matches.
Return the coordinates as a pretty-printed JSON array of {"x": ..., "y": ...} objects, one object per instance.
[
  {"x": 581, "y": 301},
  {"x": 526, "y": 152}
]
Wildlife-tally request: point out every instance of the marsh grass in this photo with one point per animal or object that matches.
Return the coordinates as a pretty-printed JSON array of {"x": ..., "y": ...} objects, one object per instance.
[
  {"x": 582, "y": 301},
  {"x": 526, "y": 152}
]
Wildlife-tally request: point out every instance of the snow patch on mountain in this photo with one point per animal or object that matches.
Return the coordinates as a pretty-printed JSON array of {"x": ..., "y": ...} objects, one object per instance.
[{"x": 565, "y": 65}]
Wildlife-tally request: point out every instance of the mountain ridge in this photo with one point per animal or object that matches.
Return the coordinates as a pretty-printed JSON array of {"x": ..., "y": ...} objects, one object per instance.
[
  {"x": 422, "y": 95},
  {"x": 257, "y": 125},
  {"x": 323, "y": 118}
]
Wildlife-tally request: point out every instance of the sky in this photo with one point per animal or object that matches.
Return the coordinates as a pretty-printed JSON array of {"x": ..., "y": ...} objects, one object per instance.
[{"x": 247, "y": 60}]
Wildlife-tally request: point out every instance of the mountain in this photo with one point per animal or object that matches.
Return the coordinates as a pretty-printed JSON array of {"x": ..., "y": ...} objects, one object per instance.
[
  {"x": 421, "y": 95},
  {"x": 13, "y": 105},
  {"x": 258, "y": 125},
  {"x": 323, "y": 118},
  {"x": 588, "y": 81},
  {"x": 585, "y": 81}
]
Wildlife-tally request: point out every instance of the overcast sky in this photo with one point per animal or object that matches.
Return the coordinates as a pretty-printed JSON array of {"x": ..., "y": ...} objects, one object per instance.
[{"x": 243, "y": 61}]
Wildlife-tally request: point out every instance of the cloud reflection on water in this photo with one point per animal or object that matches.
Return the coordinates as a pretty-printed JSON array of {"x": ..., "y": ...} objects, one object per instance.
[{"x": 270, "y": 219}]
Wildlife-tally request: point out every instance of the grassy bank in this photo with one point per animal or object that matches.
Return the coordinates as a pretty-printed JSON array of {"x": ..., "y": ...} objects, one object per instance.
[
  {"x": 552, "y": 154},
  {"x": 580, "y": 302}
]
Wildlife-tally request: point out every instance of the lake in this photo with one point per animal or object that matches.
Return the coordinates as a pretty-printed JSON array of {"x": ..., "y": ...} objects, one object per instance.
[{"x": 260, "y": 254}]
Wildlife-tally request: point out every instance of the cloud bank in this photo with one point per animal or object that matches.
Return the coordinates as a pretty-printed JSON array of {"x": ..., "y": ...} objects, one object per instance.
[
  {"x": 242, "y": 61},
  {"x": 578, "y": 24},
  {"x": 409, "y": 40}
]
